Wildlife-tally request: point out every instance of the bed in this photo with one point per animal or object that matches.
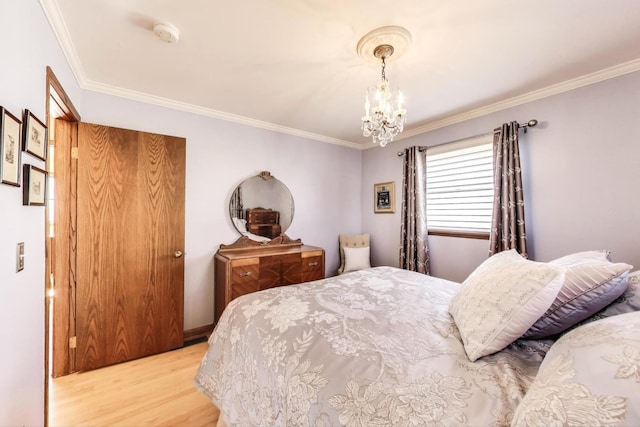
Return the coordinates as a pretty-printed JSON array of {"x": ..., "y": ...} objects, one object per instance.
[{"x": 378, "y": 347}]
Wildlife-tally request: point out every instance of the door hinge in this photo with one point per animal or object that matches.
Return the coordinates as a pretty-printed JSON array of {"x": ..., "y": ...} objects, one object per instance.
[
  {"x": 72, "y": 342},
  {"x": 74, "y": 152}
]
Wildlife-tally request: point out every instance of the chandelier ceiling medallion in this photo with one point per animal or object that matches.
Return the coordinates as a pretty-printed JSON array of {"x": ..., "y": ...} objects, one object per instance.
[{"x": 385, "y": 113}]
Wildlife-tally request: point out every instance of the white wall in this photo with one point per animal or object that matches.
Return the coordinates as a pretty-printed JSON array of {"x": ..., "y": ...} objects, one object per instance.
[
  {"x": 581, "y": 169},
  {"x": 28, "y": 47}
]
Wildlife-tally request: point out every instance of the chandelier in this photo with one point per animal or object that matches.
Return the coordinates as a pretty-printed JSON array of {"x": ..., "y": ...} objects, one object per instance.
[
  {"x": 386, "y": 118},
  {"x": 384, "y": 110}
]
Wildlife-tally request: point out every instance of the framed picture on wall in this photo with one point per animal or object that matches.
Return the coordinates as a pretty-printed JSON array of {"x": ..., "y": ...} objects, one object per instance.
[
  {"x": 384, "y": 197},
  {"x": 34, "y": 138},
  {"x": 9, "y": 148},
  {"x": 34, "y": 189}
]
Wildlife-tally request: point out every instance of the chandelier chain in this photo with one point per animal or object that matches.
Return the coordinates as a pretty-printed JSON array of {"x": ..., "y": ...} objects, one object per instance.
[{"x": 384, "y": 64}]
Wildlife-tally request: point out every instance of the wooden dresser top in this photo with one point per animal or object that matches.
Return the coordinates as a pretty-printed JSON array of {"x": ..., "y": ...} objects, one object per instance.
[{"x": 255, "y": 252}]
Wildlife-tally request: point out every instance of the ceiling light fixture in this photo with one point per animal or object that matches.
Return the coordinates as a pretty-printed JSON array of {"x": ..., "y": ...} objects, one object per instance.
[{"x": 385, "y": 114}]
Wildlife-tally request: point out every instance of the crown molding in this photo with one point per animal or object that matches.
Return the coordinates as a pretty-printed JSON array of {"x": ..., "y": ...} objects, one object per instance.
[
  {"x": 209, "y": 112},
  {"x": 588, "y": 79},
  {"x": 61, "y": 31},
  {"x": 53, "y": 14}
]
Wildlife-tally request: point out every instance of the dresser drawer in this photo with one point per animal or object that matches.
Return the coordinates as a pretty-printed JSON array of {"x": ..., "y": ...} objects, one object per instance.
[
  {"x": 312, "y": 267},
  {"x": 279, "y": 271},
  {"x": 267, "y": 230},
  {"x": 245, "y": 275},
  {"x": 262, "y": 216}
]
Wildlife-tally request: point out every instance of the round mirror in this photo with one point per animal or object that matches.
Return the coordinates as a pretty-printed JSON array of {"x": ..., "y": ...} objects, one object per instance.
[{"x": 261, "y": 207}]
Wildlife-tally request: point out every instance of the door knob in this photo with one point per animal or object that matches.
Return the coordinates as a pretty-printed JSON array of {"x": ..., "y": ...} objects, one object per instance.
[{"x": 178, "y": 254}]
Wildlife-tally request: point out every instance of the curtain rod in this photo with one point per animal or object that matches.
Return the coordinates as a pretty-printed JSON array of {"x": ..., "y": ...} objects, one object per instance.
[{"x": 531, "y": 123}]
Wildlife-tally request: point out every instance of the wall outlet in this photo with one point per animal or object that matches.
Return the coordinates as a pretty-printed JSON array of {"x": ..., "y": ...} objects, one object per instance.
[{"x": 20, "y": 257}]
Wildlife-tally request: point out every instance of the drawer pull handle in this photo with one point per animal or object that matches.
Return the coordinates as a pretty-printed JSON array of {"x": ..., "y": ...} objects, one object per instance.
[
  {"x": 248, "y": 273},
  {"x": 313, "y": 264}
]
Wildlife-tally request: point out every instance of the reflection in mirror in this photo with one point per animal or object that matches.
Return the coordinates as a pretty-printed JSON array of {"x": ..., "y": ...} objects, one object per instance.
[{"x": 261, "y": 207}]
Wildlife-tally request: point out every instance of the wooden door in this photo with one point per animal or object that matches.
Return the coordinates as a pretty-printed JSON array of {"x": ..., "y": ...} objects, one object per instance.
[{"x": 130, "y": 225}]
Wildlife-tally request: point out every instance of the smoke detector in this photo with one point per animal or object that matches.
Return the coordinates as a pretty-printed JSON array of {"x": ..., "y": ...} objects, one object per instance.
[{"x": 166, "y": 32}]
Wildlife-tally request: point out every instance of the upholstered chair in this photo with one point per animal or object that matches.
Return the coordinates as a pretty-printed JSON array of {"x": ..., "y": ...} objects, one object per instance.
[{"x": 356, "y": 257}]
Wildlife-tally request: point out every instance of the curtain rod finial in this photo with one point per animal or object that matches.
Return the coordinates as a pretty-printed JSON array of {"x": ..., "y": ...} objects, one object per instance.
[{"x": 529, "y": 124}]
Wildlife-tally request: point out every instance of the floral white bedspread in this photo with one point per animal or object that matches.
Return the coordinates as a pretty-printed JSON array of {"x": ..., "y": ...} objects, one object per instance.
[{"x": 373, "y": 347}]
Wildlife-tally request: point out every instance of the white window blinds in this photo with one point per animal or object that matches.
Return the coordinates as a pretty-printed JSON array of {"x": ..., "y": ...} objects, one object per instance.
[{"x": 460, "y": 185}]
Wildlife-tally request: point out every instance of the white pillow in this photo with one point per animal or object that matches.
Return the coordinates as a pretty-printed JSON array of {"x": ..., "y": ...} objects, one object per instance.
[
  {"x": 589, "y": 377},
  {"x": 241, "y": 224},
  {"x": 356, "y": 258},
  {"x": 501, "y": 299}
]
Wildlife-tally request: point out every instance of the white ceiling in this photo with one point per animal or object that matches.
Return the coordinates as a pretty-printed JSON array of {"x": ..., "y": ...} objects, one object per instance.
[{"x": 292, "y": 66}]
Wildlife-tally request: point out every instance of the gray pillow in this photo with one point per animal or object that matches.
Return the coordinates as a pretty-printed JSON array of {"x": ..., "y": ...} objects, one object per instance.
[
  {"x": 627, "y": 302},
  {"x": 591, "y": 283}
]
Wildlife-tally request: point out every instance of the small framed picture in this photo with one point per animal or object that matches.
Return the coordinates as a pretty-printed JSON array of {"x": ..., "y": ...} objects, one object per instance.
[
  {"x": 34, "y": 137},
  {"x": 9, "y": 148},
  {"x": 384, "y": 197},
  {"x": 34, "y": 188}
]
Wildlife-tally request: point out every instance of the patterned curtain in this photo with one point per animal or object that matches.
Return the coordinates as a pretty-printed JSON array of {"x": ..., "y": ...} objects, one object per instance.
[
  {"x": 414, "y": 250},
  {"x": 507, "y": 225}
]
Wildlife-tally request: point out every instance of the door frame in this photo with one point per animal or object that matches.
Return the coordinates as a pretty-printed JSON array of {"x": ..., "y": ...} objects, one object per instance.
[{"x": 57, "y": 105}]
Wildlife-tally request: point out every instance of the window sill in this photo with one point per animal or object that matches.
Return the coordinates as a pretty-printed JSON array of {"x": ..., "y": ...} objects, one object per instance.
[{"x": 481, "y": 235}]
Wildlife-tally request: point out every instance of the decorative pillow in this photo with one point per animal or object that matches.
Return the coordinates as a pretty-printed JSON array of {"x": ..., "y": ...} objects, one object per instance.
[
  {"x": 601, "y": 255},
  {"x": 628, "y": 302},
  {"x": 501, "y": 299},
  {"x": 591, "y": 283},
  {"x": 356, "y": 258},
  {"x": 589, "y": 377}
]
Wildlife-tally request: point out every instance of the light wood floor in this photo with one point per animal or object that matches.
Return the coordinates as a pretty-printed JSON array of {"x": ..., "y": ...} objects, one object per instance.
[{"x": 154, "y": 391}]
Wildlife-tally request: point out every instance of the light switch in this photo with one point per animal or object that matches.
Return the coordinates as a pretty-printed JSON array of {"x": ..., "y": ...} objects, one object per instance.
[{"x": 20, "y": 257}]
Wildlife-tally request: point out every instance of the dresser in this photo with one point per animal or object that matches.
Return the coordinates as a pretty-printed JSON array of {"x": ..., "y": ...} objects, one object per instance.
[
  {"x": 263, "y": 222},
  {"x": 248, "y": 267}
]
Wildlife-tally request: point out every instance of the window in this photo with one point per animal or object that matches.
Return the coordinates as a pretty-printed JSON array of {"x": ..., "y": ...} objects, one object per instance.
[{"x": 460, "y": 187}]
